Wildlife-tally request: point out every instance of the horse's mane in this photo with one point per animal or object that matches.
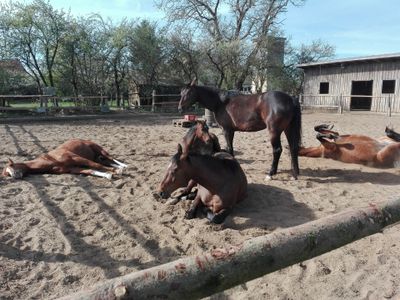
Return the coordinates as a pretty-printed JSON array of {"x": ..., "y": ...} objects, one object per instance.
[{"x": 224, "y": 95}]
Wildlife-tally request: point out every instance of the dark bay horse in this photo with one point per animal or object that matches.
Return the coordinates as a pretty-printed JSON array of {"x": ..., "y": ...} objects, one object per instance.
[
  {"x": 75, "y": 156},
  {"x": 383, "y": 152},
  {"x": 221, "y": 182},
  {"x": 198, "y": 140},
  {"x": 276, "y": 111}
]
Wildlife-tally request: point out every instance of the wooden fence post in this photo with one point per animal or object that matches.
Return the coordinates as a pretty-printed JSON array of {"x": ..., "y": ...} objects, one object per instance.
[
  {"x": 389, "y": 113},
  {"x": 153, "y": 100},
  {"x": 222, "y": 268},
  {"x": 341, "y": 104}
]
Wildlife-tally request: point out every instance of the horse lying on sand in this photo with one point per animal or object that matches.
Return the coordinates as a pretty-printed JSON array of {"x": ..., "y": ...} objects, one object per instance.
[
  {"x": 221, "y": 182},
  {"x": 383, "y": 152},
  {"x": 75, "y": 156},
  {"x": 198, "y": 140}
]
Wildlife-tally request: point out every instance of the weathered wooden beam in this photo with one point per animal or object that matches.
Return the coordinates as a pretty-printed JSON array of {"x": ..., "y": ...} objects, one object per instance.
[{"x": 220, "y": 269}]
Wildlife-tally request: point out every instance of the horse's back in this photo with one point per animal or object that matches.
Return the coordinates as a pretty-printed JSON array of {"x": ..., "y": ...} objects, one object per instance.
[
  {"x": 80, "y": 147},
  {"x": 280, "y": 101}
]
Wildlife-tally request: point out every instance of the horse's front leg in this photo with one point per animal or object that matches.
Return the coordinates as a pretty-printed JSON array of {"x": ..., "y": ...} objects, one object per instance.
[
  {"x": 275, "y": 137},
  {"x": 191, "y": 212},
  {"x": 187, "y": 190},
  {"x": 229, "y": 134}
]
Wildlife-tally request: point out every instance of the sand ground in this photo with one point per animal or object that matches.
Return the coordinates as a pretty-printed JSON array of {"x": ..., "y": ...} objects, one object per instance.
[{"x": 62, "y": 233}]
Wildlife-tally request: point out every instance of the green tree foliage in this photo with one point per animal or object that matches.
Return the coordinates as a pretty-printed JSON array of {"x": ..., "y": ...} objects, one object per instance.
[
  {"x": 146, "y": 53},
  {"x": 33, "y": 34},
  {"x": 220, "y": 42}
]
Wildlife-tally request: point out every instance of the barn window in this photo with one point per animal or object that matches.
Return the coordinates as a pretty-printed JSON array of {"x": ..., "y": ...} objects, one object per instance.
[
  {"x": 324, "y": 87},
  {"x": 388, "y": 86}
]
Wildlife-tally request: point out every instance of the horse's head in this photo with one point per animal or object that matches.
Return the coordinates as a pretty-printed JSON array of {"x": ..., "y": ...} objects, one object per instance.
[
  {"x": 175, "y": 176},
  {"x": 13, "y": 170},
  {"x": 197, "y": 139},
  {"x": 201, "y": 131},
  {"x": 188, "y": 96}
]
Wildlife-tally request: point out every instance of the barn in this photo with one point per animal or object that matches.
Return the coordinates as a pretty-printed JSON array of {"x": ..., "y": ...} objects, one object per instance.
[{"x": 369, "y": 83}]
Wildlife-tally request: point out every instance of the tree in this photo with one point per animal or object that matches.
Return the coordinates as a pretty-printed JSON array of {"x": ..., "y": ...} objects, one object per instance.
[
  {"x": 291, "y": 78},
  {"x": 146, "y": 53},
  {"x": 118, "y": 58},
  {"x": 33, "y": 34},
  {"x": 237, "y": 30}
]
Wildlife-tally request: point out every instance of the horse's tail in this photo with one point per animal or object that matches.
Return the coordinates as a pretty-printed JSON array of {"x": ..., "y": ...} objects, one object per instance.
[{"x": 294, "y": 129}]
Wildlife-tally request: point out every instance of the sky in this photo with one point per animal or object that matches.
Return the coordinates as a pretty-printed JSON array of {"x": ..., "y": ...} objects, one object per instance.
[{"x": 354, "y": 27}]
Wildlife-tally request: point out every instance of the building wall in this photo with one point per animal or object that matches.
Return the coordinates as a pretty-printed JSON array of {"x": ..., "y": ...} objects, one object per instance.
[{"x": 340, "y": 79}]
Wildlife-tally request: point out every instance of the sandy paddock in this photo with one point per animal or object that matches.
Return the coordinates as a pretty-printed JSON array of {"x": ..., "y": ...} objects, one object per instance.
[{"x": 59, "y": 234}]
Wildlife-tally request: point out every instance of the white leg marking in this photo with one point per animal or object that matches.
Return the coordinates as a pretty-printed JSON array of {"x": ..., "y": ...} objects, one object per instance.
[
  {"x": 268, "y": 178},
  {"x": 102, "y": 174},
  {"x": 120, "y": 163}
]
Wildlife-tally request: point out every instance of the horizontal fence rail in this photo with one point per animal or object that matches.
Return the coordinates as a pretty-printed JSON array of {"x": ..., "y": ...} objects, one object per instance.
[
  {"x": 383, "y": 104},
  {"x": 207, "y": 273}
]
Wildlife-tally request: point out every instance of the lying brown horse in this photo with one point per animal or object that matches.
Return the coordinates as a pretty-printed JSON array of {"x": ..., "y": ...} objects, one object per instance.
[
  {"x": 74, "y": 156},
  {"x": 198, "y": 140},
  {"x": 276, "y": 111},
  {"x": 221, "y": 182},
  {"x": 358, "y": 149}
]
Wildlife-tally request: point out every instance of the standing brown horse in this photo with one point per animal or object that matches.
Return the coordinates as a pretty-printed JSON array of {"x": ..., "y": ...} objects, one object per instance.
[
  {"x": 221, "y": 182},
  {"x": 276, "y": 111},
  {"x": 358, "y": 149},
  {"x": 198, "y": 140},
  {"x": 74, "y": 156}
]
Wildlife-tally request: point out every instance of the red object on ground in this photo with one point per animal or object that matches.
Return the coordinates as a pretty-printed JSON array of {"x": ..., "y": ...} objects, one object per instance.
[{"x": 190, "y": 117}]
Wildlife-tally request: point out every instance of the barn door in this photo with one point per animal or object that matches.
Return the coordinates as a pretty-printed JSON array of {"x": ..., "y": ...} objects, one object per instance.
[{"x": 359, "y": 89}]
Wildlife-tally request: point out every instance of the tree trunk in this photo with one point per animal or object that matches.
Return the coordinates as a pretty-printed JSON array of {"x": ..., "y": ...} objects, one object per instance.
[{"x": 220, "y": 269}]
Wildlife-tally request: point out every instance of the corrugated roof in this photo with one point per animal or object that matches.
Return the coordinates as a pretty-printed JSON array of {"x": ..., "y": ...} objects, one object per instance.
[{"x": 352, "y": 60}]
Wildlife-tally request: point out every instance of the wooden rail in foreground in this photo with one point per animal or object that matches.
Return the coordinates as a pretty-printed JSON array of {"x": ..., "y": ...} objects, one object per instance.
[{"x": 219, "y": 269}]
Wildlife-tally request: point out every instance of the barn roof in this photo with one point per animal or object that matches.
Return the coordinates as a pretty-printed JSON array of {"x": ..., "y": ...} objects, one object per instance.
[
  {"x": 382, "y": 57},
  {"x": 12, "y": 65}
]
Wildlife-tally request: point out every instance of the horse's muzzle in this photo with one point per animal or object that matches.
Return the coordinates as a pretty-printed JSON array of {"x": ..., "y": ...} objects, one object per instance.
[{"x": 164, "y": 195}]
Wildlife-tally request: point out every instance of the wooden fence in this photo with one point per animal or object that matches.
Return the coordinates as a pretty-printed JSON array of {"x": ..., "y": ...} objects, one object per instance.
[
  {"x": 46, "y": 104},
  {"x": 387, "y": 104},
  {"x": 207, "y": 273},
  {"x": 159, "y": 102}
]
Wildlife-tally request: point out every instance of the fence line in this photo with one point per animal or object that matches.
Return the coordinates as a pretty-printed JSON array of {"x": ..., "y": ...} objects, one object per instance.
[
  {"x": 384, "y": 104},
  {"x": 47, "y": 103}
]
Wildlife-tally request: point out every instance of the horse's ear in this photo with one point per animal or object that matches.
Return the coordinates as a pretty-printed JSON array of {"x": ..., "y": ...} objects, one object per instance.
[
  {"x": 10, "y": 162},
  {"x": 179, "y": 149},
  {"x": 182, "y": 155}
]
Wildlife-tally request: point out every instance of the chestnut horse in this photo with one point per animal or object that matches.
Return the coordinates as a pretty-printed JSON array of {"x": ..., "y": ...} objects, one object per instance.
[
  {"x": 74, "y": 156},
  {"x": 221, "y": 182},
  {"x": 198, "y": 140},
  {"x": 358, "y": 149},
  {"x": 276, "y": 111}
]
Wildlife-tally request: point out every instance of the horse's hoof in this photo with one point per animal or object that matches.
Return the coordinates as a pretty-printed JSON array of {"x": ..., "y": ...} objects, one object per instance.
[
  {"x": 119, "y": 171},
  {"x": 268, "y": 178},
  {"x": 190, "y": 214},
  {"x": 108, "y": 176}
]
